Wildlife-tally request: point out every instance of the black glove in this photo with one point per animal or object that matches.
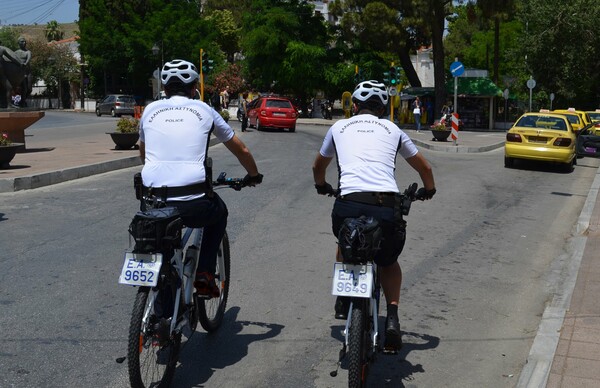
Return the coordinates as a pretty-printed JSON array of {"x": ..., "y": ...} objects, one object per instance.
[
  {"x": 324, "y": 189},
  {"x": 252, "y": 180},
  {"x": 423, "y": 194}
]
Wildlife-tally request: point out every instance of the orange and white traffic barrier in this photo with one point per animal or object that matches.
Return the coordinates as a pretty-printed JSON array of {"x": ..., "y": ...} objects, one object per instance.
[{"x": 454, "y": 132}]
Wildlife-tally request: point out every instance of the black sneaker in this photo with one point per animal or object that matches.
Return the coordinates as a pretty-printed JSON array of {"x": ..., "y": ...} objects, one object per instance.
[
  {"x": 393, "y": 336},
  {"x": 342, "y": 304}
]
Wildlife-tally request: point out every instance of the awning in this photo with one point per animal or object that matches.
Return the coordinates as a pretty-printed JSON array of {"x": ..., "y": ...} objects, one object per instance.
[
  {"x": 419, "y": 91},
  {"x": 474, "y": 86}
]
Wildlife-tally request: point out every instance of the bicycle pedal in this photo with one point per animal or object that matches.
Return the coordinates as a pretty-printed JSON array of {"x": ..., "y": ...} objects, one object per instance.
[{"x": 390, "y": 351}]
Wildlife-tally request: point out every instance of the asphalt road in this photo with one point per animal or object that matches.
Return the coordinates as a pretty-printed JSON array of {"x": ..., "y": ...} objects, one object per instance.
[{"x": 481, "y": 260}]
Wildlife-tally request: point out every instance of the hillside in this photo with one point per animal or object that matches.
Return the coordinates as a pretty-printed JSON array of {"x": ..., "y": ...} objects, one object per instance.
[{"x": 36, "y": 31}]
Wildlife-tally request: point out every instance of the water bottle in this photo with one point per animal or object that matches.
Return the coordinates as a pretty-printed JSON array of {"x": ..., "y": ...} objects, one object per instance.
[{"x": 189, "y": 271}]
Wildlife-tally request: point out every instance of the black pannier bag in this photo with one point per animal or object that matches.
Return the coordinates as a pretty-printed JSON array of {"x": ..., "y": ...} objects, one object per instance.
[
  {"x": 359, "y": 239},
  {"x": 155, "y": 230}
]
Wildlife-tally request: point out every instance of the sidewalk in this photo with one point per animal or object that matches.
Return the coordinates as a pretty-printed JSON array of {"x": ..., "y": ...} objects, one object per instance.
[{"x": 566, "y": 349}]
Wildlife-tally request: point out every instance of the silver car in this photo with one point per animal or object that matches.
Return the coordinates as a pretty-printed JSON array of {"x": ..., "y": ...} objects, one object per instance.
[{"x": 116, "y": 105}]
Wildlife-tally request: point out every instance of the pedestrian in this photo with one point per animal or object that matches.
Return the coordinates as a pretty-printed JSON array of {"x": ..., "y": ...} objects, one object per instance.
[
  {"x": 244, "y": 108},
  {"x": 417, "y": 110}
]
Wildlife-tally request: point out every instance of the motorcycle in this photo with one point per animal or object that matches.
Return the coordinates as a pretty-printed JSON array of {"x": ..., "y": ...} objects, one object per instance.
[{"x": 326, "y": 110}]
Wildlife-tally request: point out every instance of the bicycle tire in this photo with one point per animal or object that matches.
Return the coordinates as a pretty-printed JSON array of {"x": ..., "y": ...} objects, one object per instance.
[
  {"x": 358, "y": 345},
  {"x": 149, "y": 363},
  {"x": 211, "y": 311}
]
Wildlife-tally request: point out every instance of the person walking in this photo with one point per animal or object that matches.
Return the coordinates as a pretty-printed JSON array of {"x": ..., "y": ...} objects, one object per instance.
[
  {"x": 417, "y": 110},
  {"x": 366, "y": 146}
]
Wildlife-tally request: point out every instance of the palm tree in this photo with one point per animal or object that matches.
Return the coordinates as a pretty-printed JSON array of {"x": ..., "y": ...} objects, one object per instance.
[{"x": 53, "y": 31}]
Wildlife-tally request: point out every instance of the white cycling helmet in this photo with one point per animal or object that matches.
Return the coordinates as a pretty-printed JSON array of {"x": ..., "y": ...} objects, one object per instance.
[
  {"x": 372, "y": 90},
  {"x": 178, "y": 70}
]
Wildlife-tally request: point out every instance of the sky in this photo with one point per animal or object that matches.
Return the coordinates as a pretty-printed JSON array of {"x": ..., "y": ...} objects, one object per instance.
[{"x": 38, "y": 11}]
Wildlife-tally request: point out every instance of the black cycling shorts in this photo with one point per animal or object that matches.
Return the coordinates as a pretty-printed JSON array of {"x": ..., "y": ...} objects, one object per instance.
[{"x": 393, "y": 237}]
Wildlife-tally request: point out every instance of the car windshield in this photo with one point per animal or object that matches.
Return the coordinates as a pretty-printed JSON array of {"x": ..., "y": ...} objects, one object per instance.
[
  {"x": 126, "y": 99},
  {"x": 543, "y": 122},
  {"x": 278, "y": 104},
  {"x": 594, "y": 116}
]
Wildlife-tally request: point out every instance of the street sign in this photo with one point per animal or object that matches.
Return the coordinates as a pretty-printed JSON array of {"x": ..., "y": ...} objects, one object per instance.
[
  {"x": 457, "y": 69},
  {"x": 531, "y": 83},
  {"x": 505, "y": 94},
  {"x": 393, "y": 91},
  {"x": 551, "y": 96}
]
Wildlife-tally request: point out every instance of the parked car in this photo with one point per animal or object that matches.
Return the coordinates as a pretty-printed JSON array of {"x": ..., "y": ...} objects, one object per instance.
[
  {"x": 547, "y": 137},
  {"x": 115, "y": 105},
  {"x": 588, "y": 141},
  {"x": 594, "y": 115},
  {"x": 577, "y": 118},
  {"x": 275, "y": 112}
]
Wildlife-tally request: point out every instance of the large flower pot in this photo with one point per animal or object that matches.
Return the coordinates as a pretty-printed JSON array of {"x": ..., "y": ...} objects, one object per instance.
[
  {"x": 440, "y": 135},
  {"x": 7, "y": 153},
  {"x": 124, "y": 141}
]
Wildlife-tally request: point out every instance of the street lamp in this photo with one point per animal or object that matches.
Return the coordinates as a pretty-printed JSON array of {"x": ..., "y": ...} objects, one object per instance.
[{"x": 156, "y": 51}]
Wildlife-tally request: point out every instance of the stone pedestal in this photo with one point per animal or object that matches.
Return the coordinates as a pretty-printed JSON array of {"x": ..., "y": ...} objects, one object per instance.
[{"x": 14, "y": 123}]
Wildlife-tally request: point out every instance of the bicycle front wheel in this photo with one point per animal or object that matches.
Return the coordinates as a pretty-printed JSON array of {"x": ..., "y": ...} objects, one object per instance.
[
  {"x": 151, "y": 359},
  {"x": 211, "y": 311},
  {"x": 358, "y": 345}
]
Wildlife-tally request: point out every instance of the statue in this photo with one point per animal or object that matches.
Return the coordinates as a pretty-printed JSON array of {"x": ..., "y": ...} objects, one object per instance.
[{"x": 15, "y": 73}]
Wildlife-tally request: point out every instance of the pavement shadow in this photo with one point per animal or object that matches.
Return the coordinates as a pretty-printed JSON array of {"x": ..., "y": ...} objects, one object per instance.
[
  {"x": 205, "y": 353},
  {"x": 393, "y": 370},
  {"x": 32, "y": 150}
]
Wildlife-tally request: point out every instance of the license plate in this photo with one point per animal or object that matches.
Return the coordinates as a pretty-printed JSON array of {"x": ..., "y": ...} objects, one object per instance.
[
  {"x": 352, "y": 280},
  {"x": 590, "y": 149},
  {"x": 140, "y": 269},
  {"x": 535, "y": 139},
  {"x": 278, "y": 114}
]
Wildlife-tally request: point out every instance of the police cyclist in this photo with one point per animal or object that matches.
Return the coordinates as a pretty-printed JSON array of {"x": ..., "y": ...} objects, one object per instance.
[
  {"x": 174, "y": 140},
  {"x": 365, "y": 147}
]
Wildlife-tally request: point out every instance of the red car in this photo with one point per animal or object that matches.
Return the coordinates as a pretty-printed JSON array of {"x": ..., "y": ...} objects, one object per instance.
[{"x": 275, "y": 112}]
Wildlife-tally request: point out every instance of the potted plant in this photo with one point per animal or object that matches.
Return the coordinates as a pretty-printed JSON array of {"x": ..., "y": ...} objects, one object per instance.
[
  {"x": 225, "y": 114},
  {"x": 8, "y": 149},
  {"x": 440, "y": 131},
  {"x": 127, "y": 133}
]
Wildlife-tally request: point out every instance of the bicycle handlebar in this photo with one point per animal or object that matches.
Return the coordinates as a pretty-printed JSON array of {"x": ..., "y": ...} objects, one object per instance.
[{"x": 234, "y": 183}]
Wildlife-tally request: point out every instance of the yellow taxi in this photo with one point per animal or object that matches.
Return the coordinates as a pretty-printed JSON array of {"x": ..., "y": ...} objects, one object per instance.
[
  {"x": 547, "y": 137},
  {"x": 577, "y": 118},
  {"x": 594, "y": 115}
]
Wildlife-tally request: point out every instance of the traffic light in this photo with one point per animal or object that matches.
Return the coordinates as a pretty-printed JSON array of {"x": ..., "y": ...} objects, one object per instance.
[
  {"x": 393, "y": 76},
  {"x": 207, "y": 64},
  {"x": 386, "y": 78},
  {"x": 398, "y": 74}
]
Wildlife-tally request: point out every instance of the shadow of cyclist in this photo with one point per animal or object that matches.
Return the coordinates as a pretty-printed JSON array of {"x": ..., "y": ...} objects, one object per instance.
[
  {"x": 206, "y": 352},
  {"x": 393, "y": 370}
]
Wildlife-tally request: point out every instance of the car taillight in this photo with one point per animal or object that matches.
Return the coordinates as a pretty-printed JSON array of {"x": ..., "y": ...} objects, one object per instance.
[
  {"x": 117, "y": 104},
  {"x": 294, "y": 115},
  {"x": 562, "y": 142},
  {"x": 514, "y": 137},
  {"x": 263, "y": 112}
]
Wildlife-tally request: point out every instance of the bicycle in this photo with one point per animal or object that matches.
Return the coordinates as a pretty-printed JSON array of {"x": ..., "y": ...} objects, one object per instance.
[
  {"x": 163, "y": 265},
  {"x": 357, "y": 277}
]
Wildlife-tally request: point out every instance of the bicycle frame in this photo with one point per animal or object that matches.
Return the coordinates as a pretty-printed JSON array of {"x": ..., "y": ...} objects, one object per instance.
[{"x": 187, "y": 278}]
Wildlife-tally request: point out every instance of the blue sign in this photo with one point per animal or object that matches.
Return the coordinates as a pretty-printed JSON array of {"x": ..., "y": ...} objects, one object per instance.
[{"x": 457, "y": 69}]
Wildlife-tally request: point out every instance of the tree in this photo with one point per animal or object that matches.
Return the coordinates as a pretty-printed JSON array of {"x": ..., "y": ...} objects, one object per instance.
[
  {"x": 53, "y": 31},
  {"x": 560, "y": 49},
  {"x": 284, "y": 46}
]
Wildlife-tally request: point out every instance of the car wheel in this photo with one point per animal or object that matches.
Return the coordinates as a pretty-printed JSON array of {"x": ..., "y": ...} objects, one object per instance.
[
  {"x": 509, "y": 162},
  {"x": 113, "y": 113},
  {"x": 258, "y": 127},
  {"x": 293, "y": 129},
  {"x": 98, "y": 112}
]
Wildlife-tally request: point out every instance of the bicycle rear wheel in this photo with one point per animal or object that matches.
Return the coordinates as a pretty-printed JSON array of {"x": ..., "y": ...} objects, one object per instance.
[
  {"x": 211, "y": 311},
  {"x": 358, "y": 345},
  {"x": 151, "y": 359}
]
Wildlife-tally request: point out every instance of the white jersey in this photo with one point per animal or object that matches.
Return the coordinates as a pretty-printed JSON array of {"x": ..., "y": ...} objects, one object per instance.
[
  {"x": 176, "y": 132},
  {"x": 366, "y": 149}
]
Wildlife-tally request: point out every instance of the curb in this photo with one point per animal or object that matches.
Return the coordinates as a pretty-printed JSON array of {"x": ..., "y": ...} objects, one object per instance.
[
  {"x": 458, "y": 148},
  {"x": 53, "y": 177}
]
